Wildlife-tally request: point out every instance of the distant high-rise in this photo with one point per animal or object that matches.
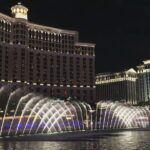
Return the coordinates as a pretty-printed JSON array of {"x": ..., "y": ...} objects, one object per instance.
[
  {"x": 45, "y": 59},
  {"x": 120, "y": 86},
  {"x": 143, "y": 82}
]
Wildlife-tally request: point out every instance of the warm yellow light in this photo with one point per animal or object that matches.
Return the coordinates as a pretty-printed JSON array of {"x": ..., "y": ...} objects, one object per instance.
[{"x": 21, "y": 10}]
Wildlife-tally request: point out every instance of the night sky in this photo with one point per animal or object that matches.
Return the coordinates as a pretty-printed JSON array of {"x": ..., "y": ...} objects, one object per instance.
[{"x": 120, "y": 28}]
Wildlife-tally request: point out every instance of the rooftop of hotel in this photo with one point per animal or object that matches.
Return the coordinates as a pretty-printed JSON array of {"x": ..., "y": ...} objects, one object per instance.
[{"x": 22, "y": 16}]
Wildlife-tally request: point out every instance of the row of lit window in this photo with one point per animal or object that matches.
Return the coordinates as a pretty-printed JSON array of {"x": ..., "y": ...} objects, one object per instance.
[
  {"x": 59, "y": 48},
  {"x": 4, "y": 25}
]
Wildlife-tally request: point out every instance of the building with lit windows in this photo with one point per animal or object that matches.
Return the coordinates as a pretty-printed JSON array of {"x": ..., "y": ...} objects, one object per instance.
[
  {"x": 143, "y": 82},
  {"x": 45, "y": 59},
  {"x": 119, "y": 86}
]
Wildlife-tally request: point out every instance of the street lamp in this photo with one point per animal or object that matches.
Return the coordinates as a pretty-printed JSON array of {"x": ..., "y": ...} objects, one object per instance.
[
  {"x": 100, "y": 106},
  {"x": 91, "y": 122},
  {"x": 69, "y": 117}
]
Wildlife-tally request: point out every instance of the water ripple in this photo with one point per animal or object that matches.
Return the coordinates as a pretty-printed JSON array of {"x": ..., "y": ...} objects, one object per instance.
[{"x": 137, "y": 140}]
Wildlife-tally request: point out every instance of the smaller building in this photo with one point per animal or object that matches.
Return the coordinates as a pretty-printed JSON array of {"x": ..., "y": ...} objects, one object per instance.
[
  {"x": 143, "y": 82},
  {"x": 119, "y": 86}
]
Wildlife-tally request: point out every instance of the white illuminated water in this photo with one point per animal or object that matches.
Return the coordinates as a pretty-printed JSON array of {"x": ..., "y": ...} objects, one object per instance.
[
  {"x": 29, "y": 113},
  {"x": 115, "y": 115},
  {"x": 32, "y": 114}
]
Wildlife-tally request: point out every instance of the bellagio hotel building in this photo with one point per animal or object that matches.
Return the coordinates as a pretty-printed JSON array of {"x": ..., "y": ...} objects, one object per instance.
[{"x": 44, "y": 59}]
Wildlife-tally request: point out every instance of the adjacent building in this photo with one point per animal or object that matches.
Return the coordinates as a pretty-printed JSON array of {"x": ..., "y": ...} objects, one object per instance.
[
  {"x": 143, "y": 82},
  {"x": 45, "y": 59},
  {"x": 119, "y": 86},
  {"x": 131, "y": 86}
]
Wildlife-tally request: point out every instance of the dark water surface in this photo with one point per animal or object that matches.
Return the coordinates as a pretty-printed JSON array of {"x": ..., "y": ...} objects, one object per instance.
[{"x": 135, "y": 140}]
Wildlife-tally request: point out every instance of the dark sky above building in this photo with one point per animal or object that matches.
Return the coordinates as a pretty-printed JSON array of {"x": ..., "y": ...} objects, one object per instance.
[{"x": 120, "y": 28}]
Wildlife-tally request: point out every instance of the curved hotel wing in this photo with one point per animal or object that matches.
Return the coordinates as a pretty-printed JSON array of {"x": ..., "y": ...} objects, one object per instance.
[{"x": 45, "y": 59}]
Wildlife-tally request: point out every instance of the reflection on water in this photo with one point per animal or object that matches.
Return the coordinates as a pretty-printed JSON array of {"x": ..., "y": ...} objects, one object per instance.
[{"x": 122, "y": 141}]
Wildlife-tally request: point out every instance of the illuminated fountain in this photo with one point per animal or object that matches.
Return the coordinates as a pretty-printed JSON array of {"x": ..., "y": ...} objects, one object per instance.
[
  {"x": 30, "y": 114},
  {"x": 25, "y": 114},
  {"x": 115, "y": 115}
]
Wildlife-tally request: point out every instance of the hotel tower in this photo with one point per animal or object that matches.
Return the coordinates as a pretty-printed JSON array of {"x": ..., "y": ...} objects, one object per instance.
[{"x": 44, "y": 59}]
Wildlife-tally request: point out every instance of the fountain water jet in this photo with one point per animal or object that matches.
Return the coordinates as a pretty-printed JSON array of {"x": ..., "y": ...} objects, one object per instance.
[
  {"x": 115, "y": 115},
  {"x": 30, "y": 114}
]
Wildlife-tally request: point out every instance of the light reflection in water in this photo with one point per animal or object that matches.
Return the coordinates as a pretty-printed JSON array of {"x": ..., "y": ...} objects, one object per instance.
[{"x": 134, "y": 140}]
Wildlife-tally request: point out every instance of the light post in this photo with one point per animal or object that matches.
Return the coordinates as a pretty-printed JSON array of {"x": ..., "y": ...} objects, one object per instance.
[
  {"x": 91, "y": 122},
  {"x": 96, "y": 118},
  {"x": 68, "y": 118},
  {"x": 87, "y": 120}
]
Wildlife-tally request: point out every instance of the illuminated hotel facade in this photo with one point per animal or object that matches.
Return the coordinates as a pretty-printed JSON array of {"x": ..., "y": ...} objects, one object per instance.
[
  {"x": 143, "y": 82},
  {"x": 45, "y": 59},
  {"x": 119, "y": 86}
]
